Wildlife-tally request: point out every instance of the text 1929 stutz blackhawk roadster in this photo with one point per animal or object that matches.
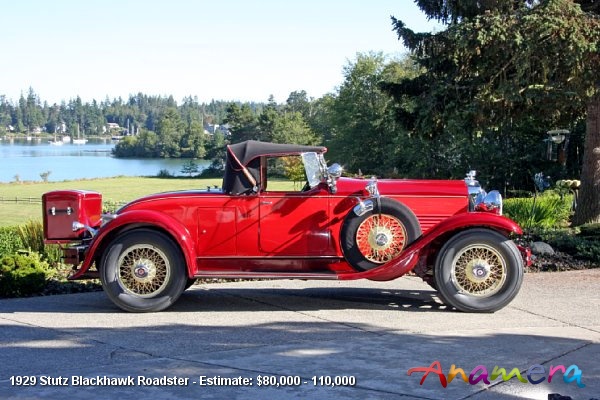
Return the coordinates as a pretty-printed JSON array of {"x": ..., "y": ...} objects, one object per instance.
[{"x": 450, "y": 233}]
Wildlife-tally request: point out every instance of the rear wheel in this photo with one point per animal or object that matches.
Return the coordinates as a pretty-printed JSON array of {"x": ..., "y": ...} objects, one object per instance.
[
  {"x": 143, "y": 271},
  {"x": 478, "y": 270}
]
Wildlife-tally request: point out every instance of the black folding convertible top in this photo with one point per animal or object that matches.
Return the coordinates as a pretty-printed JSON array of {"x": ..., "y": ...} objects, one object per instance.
[{"x": 242, "y": 165}]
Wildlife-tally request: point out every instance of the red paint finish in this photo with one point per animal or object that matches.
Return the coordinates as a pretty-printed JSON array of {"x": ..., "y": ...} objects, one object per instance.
[
  {"x": 141, "y": 218},
  {"x": 409, "y": 258},
  {"x": 62, "y": 208},
  {"x": 294, "y": 224},
  {"x": 269, "y": 234}
]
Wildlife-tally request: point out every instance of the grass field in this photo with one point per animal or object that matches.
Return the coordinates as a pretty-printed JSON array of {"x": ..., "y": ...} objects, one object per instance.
[{"x": 119, "y": 189}]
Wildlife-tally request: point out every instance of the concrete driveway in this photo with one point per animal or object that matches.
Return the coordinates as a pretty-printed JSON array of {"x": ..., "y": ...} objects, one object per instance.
[{"x": 304, "y": 336}]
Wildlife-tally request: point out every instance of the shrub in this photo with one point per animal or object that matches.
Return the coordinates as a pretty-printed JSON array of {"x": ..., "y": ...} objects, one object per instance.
[
  {"x": 211, "y": 172},
  {"x": 45, "y": 175},
  {"x": 590, "y": 231},
  {"x": 579, "y": 247},
  {"x": 23, "y": 274},
  {"x": 31, "y": 235},
  {"x": 10, "y": 241},
  {"x": 164, "y": 173},
  {"x": 111, "y": 206},
  {"x": 550, "y": 211}
]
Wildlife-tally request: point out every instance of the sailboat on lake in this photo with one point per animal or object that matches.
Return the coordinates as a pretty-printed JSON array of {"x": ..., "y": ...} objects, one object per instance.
[
  {"x": 79, "y": 140},
  {"x": 56, "y": 142}
]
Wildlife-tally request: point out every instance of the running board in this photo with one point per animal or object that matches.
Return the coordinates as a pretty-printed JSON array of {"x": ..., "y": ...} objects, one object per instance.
[{"x": 263, "y": 275}]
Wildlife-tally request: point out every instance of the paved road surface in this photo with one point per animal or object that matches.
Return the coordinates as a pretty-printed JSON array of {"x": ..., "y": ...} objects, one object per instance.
[{"x": 373, "y": 332}]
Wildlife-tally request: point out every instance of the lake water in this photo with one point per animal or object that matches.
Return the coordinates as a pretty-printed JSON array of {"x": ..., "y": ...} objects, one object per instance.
[{"x": 29, "y": 158}]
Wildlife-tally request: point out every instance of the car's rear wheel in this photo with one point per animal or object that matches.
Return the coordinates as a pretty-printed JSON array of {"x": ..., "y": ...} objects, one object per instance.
[
  {"x": 378, "y": 236},
  {"x": 478, "y": 270},
  {"x": 143, "y": 271}
]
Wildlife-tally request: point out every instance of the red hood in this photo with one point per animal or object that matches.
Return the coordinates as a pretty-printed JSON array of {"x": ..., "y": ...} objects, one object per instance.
[{"x": 404, "y": 187}]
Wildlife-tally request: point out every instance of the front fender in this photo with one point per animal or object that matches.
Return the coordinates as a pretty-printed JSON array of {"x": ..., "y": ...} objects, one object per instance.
[
  {"x": 477, "y": 219},
  {"x": 406, "y": 261},
  {"x": 139, "y": 218}
]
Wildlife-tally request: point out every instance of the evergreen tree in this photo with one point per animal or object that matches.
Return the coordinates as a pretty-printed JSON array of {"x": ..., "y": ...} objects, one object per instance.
[
  {"x": 267, "y": 120},
  {"x": 170, "y": 131},
  {"x": 243, "y": 122},
  {"x": 501, "y": 75},
  {"x": 190, "y": 167}
]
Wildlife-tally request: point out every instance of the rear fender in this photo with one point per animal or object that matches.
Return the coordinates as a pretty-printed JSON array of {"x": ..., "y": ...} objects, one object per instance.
[
  {"x": 419, "y": 248},
  {"x": 136, "y": 219}
]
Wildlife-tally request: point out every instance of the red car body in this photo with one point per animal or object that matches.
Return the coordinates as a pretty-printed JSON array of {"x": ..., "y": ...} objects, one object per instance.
[{"x": 335, "y": 228}]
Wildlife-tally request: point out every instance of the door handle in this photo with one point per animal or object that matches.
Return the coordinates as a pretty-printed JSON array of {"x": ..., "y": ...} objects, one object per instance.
[{"x": 266, "y": 203}]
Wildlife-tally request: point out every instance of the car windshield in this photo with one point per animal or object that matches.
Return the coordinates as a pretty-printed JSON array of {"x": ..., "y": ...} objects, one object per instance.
[{"x": 313, "y": 166}]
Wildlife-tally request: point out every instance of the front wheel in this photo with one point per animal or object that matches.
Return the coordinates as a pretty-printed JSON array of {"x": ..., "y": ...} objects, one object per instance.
[
  {"x": 143, "y": 271},
  {"x": 478, "y": 270}
]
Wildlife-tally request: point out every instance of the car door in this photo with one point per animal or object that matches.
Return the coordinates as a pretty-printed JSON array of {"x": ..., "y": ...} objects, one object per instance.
[{"x": 295, "y": 223}]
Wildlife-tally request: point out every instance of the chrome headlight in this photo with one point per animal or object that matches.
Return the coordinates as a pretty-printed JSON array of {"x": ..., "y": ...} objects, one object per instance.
[{"x": 490, "y": 202}]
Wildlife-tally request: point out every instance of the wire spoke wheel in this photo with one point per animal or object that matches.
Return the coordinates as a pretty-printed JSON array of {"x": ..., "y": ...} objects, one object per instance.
[
  {"x": 380, "y": 238},
  {"x": 479, "y": 270},
  {"x": 143, "y": 270},
  {"x": 375, "y": 237}
]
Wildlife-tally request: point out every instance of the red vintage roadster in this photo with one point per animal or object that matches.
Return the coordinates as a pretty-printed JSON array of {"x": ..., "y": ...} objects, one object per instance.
[{"x": 450, "y": 233}]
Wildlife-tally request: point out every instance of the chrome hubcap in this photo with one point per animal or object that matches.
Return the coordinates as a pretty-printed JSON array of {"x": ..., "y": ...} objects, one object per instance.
[
  {"x": 143, "y": 270},
  {"x": 478, "y": 270},
  {"x": 380, "y": 238}
]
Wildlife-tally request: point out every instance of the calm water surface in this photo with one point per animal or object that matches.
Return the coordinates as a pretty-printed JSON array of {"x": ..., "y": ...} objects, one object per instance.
[{"x": 71, "y": 161}]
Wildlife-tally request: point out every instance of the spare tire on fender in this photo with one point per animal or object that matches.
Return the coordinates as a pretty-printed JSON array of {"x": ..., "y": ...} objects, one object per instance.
[{"x": 378, "y": 236}]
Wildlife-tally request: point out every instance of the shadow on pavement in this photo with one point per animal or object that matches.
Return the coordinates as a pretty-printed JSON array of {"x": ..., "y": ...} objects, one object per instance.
[{"x": 217, "y": 299}]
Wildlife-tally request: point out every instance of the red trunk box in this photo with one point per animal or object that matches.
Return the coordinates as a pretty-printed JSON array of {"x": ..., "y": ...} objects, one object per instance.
[{"x": 64, "y": 207}]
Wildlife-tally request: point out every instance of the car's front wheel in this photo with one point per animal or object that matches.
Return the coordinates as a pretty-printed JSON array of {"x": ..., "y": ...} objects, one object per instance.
[
  {"x": 143, "y": 271},
  {"x": 478, "y": 270}
]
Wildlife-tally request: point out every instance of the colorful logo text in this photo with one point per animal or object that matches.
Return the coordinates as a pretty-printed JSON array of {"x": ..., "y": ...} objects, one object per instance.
[{"x": 536, "y": 374}]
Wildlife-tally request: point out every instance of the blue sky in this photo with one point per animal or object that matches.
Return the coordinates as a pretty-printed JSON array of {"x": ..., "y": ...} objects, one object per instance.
[{"x": 219, "y": 49}]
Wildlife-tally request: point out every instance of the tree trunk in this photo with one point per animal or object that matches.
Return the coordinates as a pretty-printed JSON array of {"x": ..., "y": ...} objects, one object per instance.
[{"x": 588, "y": 207}]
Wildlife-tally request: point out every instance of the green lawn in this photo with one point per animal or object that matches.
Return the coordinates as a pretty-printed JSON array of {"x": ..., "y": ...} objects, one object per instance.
[{"x": 119, "y": 189}]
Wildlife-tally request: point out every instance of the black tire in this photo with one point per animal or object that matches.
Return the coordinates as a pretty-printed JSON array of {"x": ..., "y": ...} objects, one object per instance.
[
  {"x": 478, "y": 270},
  {"x": 189, "y": 283},
  {"x": 143, "y": 271},
  {"x": 405, "y": 230}
]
